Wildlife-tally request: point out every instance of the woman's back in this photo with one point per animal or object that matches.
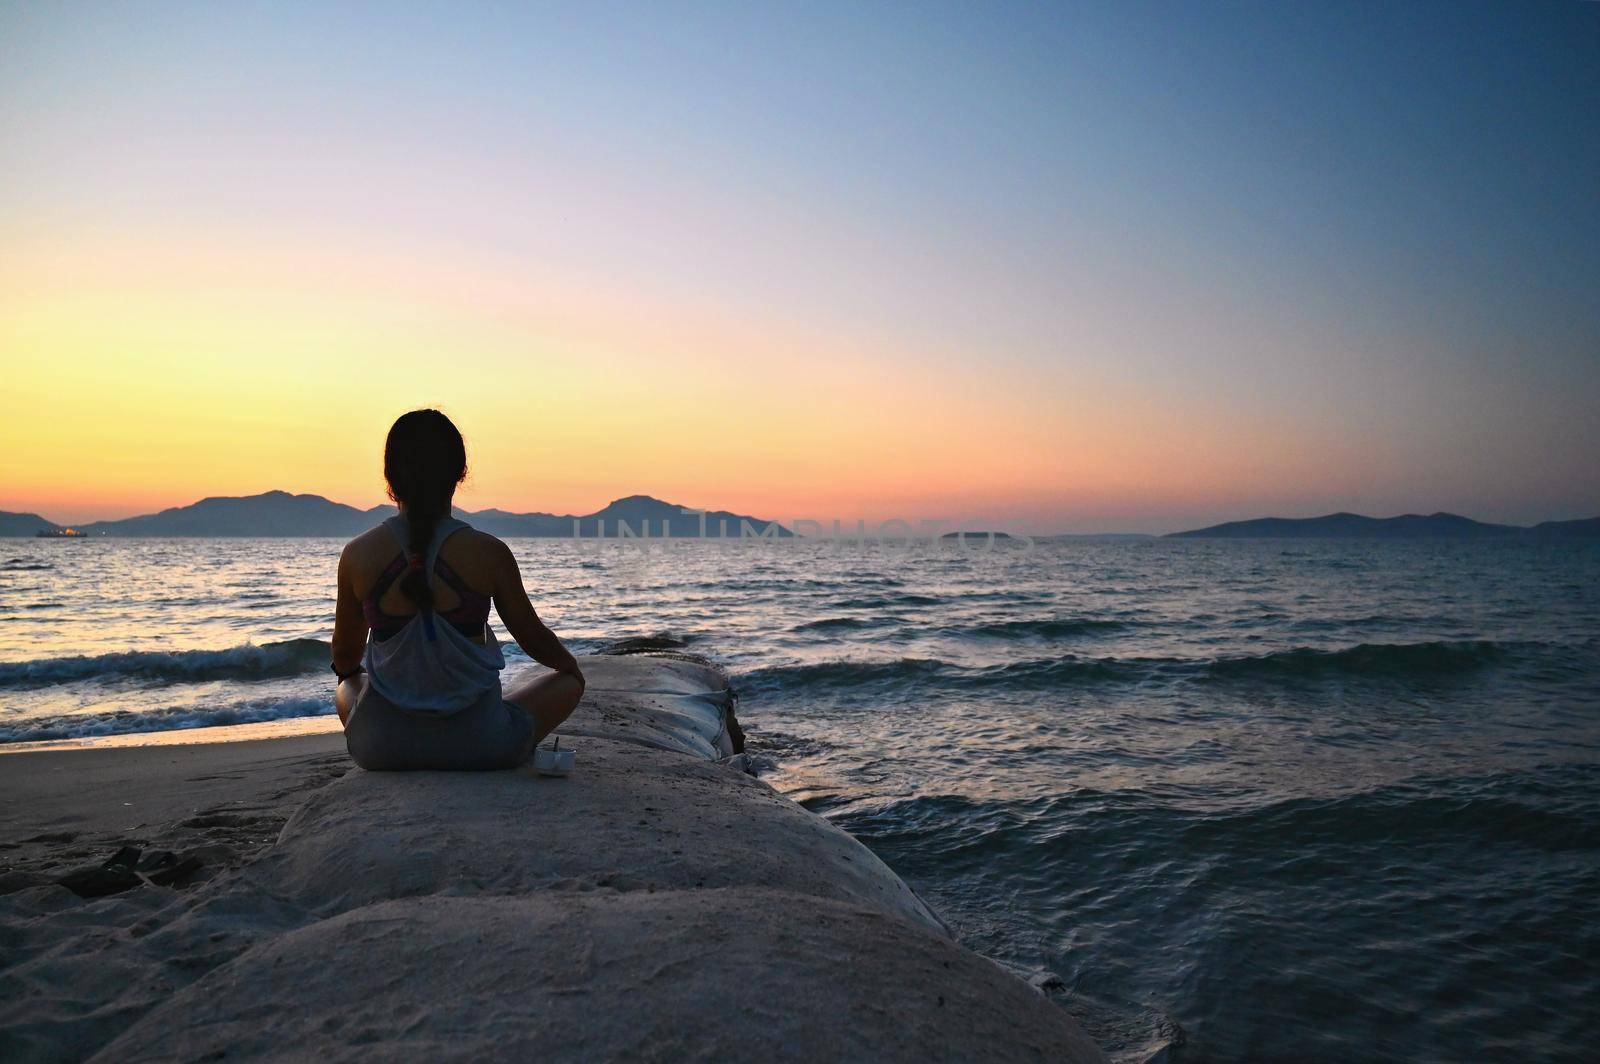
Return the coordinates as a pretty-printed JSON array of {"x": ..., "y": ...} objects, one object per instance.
[
  {"x": 463, "y": 576},
  {"x": 418, "y": 664},
  {"x": 431, "y": 660}
]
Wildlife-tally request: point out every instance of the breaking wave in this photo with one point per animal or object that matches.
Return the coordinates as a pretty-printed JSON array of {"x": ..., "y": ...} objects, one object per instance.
[
  {"x": 1403, "y": 662},
  {"x": 127, "y": 722},
  {"x": 291, "y": 657}
]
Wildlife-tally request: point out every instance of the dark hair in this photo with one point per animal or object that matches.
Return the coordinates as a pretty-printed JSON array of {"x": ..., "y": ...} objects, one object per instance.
[{"x": 424, "y": 459}]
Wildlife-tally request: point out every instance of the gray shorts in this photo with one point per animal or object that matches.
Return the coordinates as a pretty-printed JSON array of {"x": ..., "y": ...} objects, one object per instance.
[{"x": 489, "y": 734}]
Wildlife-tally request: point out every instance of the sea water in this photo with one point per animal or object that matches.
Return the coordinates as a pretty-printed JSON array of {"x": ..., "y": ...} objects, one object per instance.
[{"x": 1299, "y": 800}]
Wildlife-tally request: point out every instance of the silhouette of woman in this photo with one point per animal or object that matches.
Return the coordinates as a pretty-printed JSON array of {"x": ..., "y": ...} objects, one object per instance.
[{"x": 418, "y": 664}]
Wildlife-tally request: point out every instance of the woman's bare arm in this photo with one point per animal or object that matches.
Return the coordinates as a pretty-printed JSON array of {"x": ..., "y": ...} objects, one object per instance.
[
  {"x": 522, "y": 621},
  {"x": 349, "y": 621}
]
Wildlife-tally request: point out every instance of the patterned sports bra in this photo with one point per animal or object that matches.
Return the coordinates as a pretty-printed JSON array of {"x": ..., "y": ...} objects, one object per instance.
[{"x": 469, "y": 615}]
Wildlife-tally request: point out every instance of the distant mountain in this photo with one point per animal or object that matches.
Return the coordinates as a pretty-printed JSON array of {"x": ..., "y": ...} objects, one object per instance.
[
  {"x": 1094, "y": 535},
  {"x": 508, "y": 524},
  {"x": 13, "y": 524},
  {"x": 668, "y": 518},
  {"x": 1583, "y": 528},
  {"x": 278, "y": 513},
  {"x": 635, "y": 515},
  {"x": 1406, "y": 526},
  {"x": 275, "y": 513}
]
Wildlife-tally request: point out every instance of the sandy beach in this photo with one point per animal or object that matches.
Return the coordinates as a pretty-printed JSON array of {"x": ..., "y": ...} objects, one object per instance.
[{"x": 656, "y": 904}]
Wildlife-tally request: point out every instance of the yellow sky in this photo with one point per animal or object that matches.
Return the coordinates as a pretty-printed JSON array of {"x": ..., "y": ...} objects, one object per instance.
[{"x": 151, "y": 368}]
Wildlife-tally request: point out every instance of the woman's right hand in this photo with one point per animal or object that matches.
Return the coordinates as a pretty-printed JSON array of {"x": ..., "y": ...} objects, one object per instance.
[{"x": 522, "y": 621}]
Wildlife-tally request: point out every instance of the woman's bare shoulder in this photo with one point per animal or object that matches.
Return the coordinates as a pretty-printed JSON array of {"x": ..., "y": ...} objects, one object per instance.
[
  {"x": 375, "y": 546},
  {"x": 483, "y": 545},
  {"x": 478, "y": 557},
  {"x": 373, "y": 538}
]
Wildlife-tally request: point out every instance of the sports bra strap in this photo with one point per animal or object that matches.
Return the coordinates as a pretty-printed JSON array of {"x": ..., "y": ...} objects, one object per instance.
[
  {"x": 401, "y": 530},
  {"x": 447, "y": 527},
  {"x": 397, "y": 526}
]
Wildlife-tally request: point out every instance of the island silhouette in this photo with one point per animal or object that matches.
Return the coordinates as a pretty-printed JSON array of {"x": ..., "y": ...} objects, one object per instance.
[
  {"x": 282, "y": 514},
  {"x": 1406, "y": 526}
]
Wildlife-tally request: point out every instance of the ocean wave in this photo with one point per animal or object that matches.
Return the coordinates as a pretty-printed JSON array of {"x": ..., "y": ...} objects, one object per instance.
[
  {"x": 1040, "y": 673},
  {"x": 175, "y": 718},
  {"x": 1383, "y": 661},
  {"x": 890, "y": 601},
  {"x": 786, "y": 583},
  {"x": 843, "y": 624},
  {"x": 24, "y": 565},
  {"x": 846, "y": 674},
  {"x": 1548, "y": 808},
  {"x": 1551, "y": 813},
  {"x": 644, "y": 644},
  {"x": 1370, "y": 621},
  {"x": 1044, "y": 628},
  {"x": 861, "y": 675},
  {"x": 1292, "y": 839},
  {"x": 1391, "y": 660},
  {"x": 291, "y": 657},
  {"x": 1388, "y": 887}
]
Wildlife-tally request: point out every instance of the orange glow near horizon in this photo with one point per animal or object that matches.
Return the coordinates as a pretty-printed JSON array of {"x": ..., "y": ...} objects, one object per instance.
[{"x": 140, "y": 381}]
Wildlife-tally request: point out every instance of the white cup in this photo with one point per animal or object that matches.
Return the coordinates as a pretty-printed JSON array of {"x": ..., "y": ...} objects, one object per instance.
[{"x": 551, "y": 762}]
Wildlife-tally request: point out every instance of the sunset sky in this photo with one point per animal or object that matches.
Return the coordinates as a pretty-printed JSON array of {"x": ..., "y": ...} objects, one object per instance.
[{"x": 1075, "y": 267}]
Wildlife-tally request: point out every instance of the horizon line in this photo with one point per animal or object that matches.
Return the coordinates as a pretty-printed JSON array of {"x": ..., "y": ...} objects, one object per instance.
[{"x": 1007, "y": 527}]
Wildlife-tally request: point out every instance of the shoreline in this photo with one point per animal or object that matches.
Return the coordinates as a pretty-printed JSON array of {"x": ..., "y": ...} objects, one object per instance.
[
  {"x": 654, "y": 903},
  {"x": 256, "y": 731}
]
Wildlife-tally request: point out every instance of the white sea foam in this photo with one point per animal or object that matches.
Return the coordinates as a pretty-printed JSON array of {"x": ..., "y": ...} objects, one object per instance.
[
  {"x": 122, "y": 722},
  {"x": 290, "y": 657}
]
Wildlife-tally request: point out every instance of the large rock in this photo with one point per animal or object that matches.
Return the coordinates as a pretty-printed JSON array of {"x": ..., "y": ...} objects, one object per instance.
[
  {"x": 685, "y": 975},
  {"x": 666, "y": 701},
  {"x": 629, "y": 817}
]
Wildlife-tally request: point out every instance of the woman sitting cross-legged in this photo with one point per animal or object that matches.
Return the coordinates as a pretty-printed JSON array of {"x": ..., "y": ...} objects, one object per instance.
[{"x": 418, "y": 664}]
